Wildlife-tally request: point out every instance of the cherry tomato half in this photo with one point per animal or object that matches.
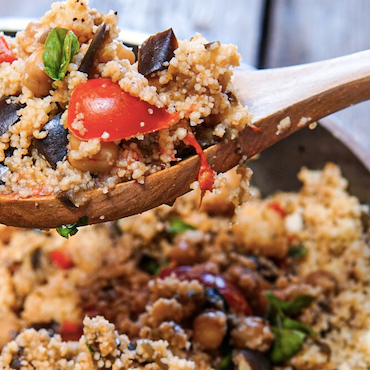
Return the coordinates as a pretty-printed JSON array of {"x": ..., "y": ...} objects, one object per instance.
[
  {"x": 109, "y": 113},
  {"x": 229, "y": 291},
  {"x": 6, "y": 55}
]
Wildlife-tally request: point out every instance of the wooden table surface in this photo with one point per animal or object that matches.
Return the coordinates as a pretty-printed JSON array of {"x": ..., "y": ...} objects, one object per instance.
[{"x": 269, "y": 33}]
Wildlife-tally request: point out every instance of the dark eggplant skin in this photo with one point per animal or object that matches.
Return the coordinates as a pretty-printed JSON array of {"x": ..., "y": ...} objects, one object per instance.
[
  {"x": 155, "y": 51},
  {"x": 98, "y": 41},
  {"x": 8, "y": 114},
  {"x": 256, "y": 360},
  {"x": 53, "y": 146}
]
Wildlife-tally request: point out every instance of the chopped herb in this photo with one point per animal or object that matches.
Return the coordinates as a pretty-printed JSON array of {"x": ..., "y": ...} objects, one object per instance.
[
  {"x": 89, "y": 348},
  {"x": 289, "y": 333},
  {"x": 286, "y": 344},
  {"x": 297, "y": 251},
  {"x": 71, "y": 229},
  {"x": 290, "y": 308},
  {"x": 178, "y": 226},
  {"x": 227, "y": 363},
  {"x": 60, "y": 46},
  {"x": 149, "y": 265}
]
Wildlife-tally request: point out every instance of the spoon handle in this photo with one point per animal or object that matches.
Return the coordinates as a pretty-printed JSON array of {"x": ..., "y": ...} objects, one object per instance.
[{"x": 300, "y": 95}]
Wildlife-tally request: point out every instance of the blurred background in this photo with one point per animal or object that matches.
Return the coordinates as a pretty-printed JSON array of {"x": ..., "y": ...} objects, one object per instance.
[{"x": 269, "y": 33}]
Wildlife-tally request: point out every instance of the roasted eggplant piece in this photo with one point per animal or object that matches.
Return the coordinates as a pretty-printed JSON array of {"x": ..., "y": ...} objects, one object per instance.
[
  {"x": 53, "y": 146},
  {"x": 155, "y": 51},
  {"x": 256, "y": 360},
  {"x": 98, "y": 41},
  {"x": 8, "y": 114}
]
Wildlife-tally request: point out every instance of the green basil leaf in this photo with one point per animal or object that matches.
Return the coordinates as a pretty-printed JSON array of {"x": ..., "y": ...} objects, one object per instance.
[
  {"x": 89, "y": 348},
  {"x": 297, "y": 251},
  {"x": 70, "y": 48},
  {"x": 178, "y": 226},
  {"x": 290, "y": 308},
  {"x": 227, "y": 363},
  {"x": 296, "y": 325},
  {"x": 286, "y": 344},
  {"x": 72, "y": 229},
  {"x": 60, "y": 46}
]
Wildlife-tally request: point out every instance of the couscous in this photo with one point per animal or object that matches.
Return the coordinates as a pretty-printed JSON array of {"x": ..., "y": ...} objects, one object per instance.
[
  {"x": 284, "y": 285},
  {"x": 79, "y": 112}
]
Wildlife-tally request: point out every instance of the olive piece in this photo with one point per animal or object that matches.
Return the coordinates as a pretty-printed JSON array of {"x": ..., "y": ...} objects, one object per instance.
[
  {"x": 97, "y": 42},
  {"x": 8, "y": 114},
  {"x": 53, "y": 146},
  {"x": 155, "y": 51},
  {"x": 256, "y": 360}
]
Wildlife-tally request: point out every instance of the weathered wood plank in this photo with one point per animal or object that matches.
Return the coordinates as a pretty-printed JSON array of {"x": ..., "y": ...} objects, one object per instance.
[
  {"x": 234, "y": 21},
  {"x": 306, "y": 31}
]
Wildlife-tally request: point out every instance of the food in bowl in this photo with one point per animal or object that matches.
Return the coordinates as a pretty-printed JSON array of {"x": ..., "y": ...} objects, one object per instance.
[
  {"x": 79, "y": 112},
  {"x": 282, "y": 286}
]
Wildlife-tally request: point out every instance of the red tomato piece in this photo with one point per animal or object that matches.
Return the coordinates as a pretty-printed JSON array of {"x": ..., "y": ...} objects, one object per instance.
[
  {"x": 276, "y": 206},
  {"x": 206, "y": 176},
  {"x": 6, "y": 55},
  {"x": 71, "y": 331},
  {"x": 229, "y": 291},
  {"x": 109, "y": 113},
  {"x": 61, "y": 259}
]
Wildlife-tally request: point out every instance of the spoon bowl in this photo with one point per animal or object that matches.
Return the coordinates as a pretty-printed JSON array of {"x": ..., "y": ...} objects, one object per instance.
[{"x": 281, "y": 100}]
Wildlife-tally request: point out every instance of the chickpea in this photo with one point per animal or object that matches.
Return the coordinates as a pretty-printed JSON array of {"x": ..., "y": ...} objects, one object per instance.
[
  {"x": 209, "y": 329},
  {"x": 123, "y": 52},
  {"x": 100, "y": 163},
  {"x": 108, "y": 53},
  {"x": 35, "y": 78},
  {"x": 253, "y": 333},
  {"x": 184, "y": 253}
]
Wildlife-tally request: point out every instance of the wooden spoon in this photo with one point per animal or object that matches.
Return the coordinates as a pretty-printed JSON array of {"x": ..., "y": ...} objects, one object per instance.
[{"x": 281, "y": 100}]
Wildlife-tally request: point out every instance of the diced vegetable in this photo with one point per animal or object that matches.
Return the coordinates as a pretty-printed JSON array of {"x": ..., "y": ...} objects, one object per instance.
[
  {"x": 71, "y": 331},
  {"x": 297, "y": 251},
  {"x": 206, "y": 176},
  {"x": 71, "y": 229},
  {"x": 53, "y": 146},
  {"x": 100, "y": 109},
  {"x": 60, "y": 46},
  {"x": 8, "y": 114},
  {"x": 97, "y": 43},
  {"x": 156, "y": 51},
  {"x": 61, "y": 259},
  {"x": 256, "y": 360},
  {"x": 178, "y": 226},
  {"x": 232, "y": 295},
  {"x": 276, "y": 206},
  {"x": 6, "y": 55},
  {"x": 289, "y": 334}
]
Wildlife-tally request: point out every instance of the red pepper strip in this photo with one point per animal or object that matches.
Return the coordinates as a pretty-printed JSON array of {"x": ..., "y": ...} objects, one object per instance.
[
  {"x": 6, "y": 55},
  {"x": 276, "y": 206},
  {"x": 61, "y": 259},
  {"x": 230, "y": 292},
  {"x": 206, "y": 176},
  {"x": 71, "y": 331},
  {"x": 105, "y": 111}
]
